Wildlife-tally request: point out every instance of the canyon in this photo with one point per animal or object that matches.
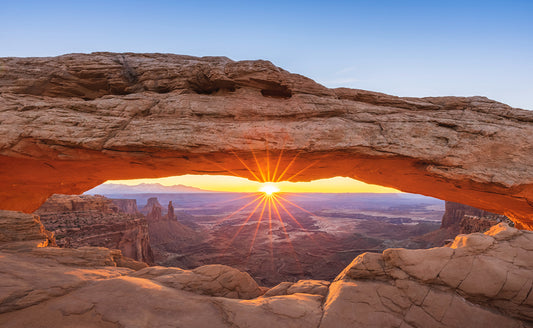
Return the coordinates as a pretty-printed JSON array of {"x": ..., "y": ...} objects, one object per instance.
[
  {"x": 480, "y": 280},
  {"x": 71, "y": 122},
  {"x": 340, "y": 227},
  {"x": 97, "y": 221}
]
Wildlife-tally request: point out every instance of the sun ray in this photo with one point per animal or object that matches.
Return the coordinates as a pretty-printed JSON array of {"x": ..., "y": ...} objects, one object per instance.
[
  {"x": 257, "y": 228},
  {"x": 287, "y": 237},
  {"x": 258, "y": 166},
  {"x": 277, "y": 163},
  {"x": 270, "y": 214},
  {"x": 299, "y": 207},
  {"x": 270, "y": 233},
  {"x": 302, "y": 170},
  {"x": 270, "y": 203},
  {"x": 246, "y": 166},
  {"x": 240, "y": 209},
  {"x": 282, "y": 224},
  {"x": 234, "y": 199},
  {"x": 287, "y": 167},
  {"x": 222, "y": 167},
  {"x": 244, "y": 223},
  {"x": 290, "y": 215},
  {"x": 268, "y": 163}
]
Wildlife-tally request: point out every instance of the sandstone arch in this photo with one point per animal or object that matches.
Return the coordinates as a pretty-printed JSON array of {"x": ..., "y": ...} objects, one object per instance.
[{"x": 71, "y": 122}]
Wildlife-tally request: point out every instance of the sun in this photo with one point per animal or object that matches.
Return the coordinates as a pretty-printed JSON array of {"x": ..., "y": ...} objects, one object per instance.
[{"x": 268, "y": 189}]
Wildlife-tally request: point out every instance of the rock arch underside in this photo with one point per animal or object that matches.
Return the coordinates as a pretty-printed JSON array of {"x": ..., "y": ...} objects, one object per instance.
[{"x": 70, "y": 123}]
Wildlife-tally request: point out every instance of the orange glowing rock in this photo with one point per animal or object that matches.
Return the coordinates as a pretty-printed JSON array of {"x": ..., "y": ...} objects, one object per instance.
[{"x": 70, "y": 123}]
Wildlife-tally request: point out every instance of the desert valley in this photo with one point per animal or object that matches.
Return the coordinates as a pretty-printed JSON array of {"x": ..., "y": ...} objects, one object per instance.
[
  {"x": 315, "y": 240},
  {"x": 314, "y": 236}
]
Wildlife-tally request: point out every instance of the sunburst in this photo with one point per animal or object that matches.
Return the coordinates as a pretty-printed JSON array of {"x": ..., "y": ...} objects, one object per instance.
[
  {"x": 269, "y": 189},
  {"x": 269, "y": 201}
]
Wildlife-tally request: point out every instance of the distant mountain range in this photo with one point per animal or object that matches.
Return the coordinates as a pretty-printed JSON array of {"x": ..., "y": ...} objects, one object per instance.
[{"x": 143, "y": 188}]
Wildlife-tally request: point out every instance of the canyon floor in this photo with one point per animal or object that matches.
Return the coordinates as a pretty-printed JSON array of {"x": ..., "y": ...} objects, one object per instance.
[{"x": 308, "y": 236}]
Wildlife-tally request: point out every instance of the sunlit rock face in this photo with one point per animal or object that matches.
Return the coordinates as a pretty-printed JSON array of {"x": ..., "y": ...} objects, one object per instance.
[
  {"x": 480, "y": 280},
  {"x": 69, "y": 123},
  {"x": 96, "y": 221}
]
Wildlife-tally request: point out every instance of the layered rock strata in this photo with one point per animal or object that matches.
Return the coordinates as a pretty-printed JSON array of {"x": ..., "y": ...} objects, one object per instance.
[
  {"x": 71, "y": 122},
  {"x": 470, "y": 224},
  {"x": 128, "y": 206},
  {"x": 18, "y": 227},
  {"x": 481, "y": 280},
  {"x": 97, "y": 221},
  {"x": 455, "y": 212}
]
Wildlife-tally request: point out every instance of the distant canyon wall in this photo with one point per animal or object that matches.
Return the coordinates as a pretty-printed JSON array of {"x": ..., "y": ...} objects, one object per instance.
[
  {"x": 128, "y": 206},
  {"x": 97, "y": 221},
  {"x": 460, "y": 218}
]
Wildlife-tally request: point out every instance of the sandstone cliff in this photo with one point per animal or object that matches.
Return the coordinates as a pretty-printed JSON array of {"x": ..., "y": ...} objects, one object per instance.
[
  {"x": 470, "y": 224},
  {"x": 455, "y": 212},
  {"x": 128, "y": 206},
  {"x": 153, "y": 209},
  {"x": 96, "y": 221},
  {"x": 71, "y": 122},
  {"x": 459, "y": 219},
  {"x": 168, "y": 237},
  {"x": 481, "y": 280}
]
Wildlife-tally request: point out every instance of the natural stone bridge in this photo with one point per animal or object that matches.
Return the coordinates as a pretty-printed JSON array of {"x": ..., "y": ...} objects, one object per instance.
[{"x": 72, "y": 122}]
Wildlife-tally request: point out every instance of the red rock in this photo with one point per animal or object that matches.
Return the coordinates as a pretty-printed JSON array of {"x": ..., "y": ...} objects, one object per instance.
[
  {"x": 166, "y": 233},
  {"x": 96, "y": 221},
  {"x": 470, "y": 223},
  {"x": 71, "y": 122},
  {"x": 170, "y": 213},
  {"x": 455, "y": 212},
  {"x": 128, "y": 206},
  {"x": 21, "y": 227}
]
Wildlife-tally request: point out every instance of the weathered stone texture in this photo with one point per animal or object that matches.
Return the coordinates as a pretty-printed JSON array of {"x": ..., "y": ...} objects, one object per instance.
[
  {"x": 480, "y": 280},
  {"x": 71, "y": 122}
]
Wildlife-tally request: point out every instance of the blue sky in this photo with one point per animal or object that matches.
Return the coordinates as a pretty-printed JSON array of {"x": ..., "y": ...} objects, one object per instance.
[{"x": 405, "y": 48}]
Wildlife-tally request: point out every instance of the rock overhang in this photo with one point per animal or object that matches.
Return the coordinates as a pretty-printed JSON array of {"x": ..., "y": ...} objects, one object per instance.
[{"x": 72, "y": 122}]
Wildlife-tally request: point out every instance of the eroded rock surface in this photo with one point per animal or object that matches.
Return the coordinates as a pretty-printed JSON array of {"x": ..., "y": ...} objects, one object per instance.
[
  {"x": 169, "y": 237},
  {"x": 481, "y": 280},
  {"x": 97, "y": 221},
  {"x": 460, "y": 219},
  {"x": 25, "y": 228},
  {"x": 314, "y": 287},
  {"x": 71, "y": 122},
  {"x": 126, "y": 205},
  {"x": 213, "y": 280},
  {"x": 455, "y": 213}
]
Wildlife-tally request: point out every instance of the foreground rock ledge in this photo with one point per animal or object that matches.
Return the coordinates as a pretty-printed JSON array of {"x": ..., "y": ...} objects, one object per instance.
[
  {"x": 71, "y": 122},
  {"x": 480, "y": 280}
]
